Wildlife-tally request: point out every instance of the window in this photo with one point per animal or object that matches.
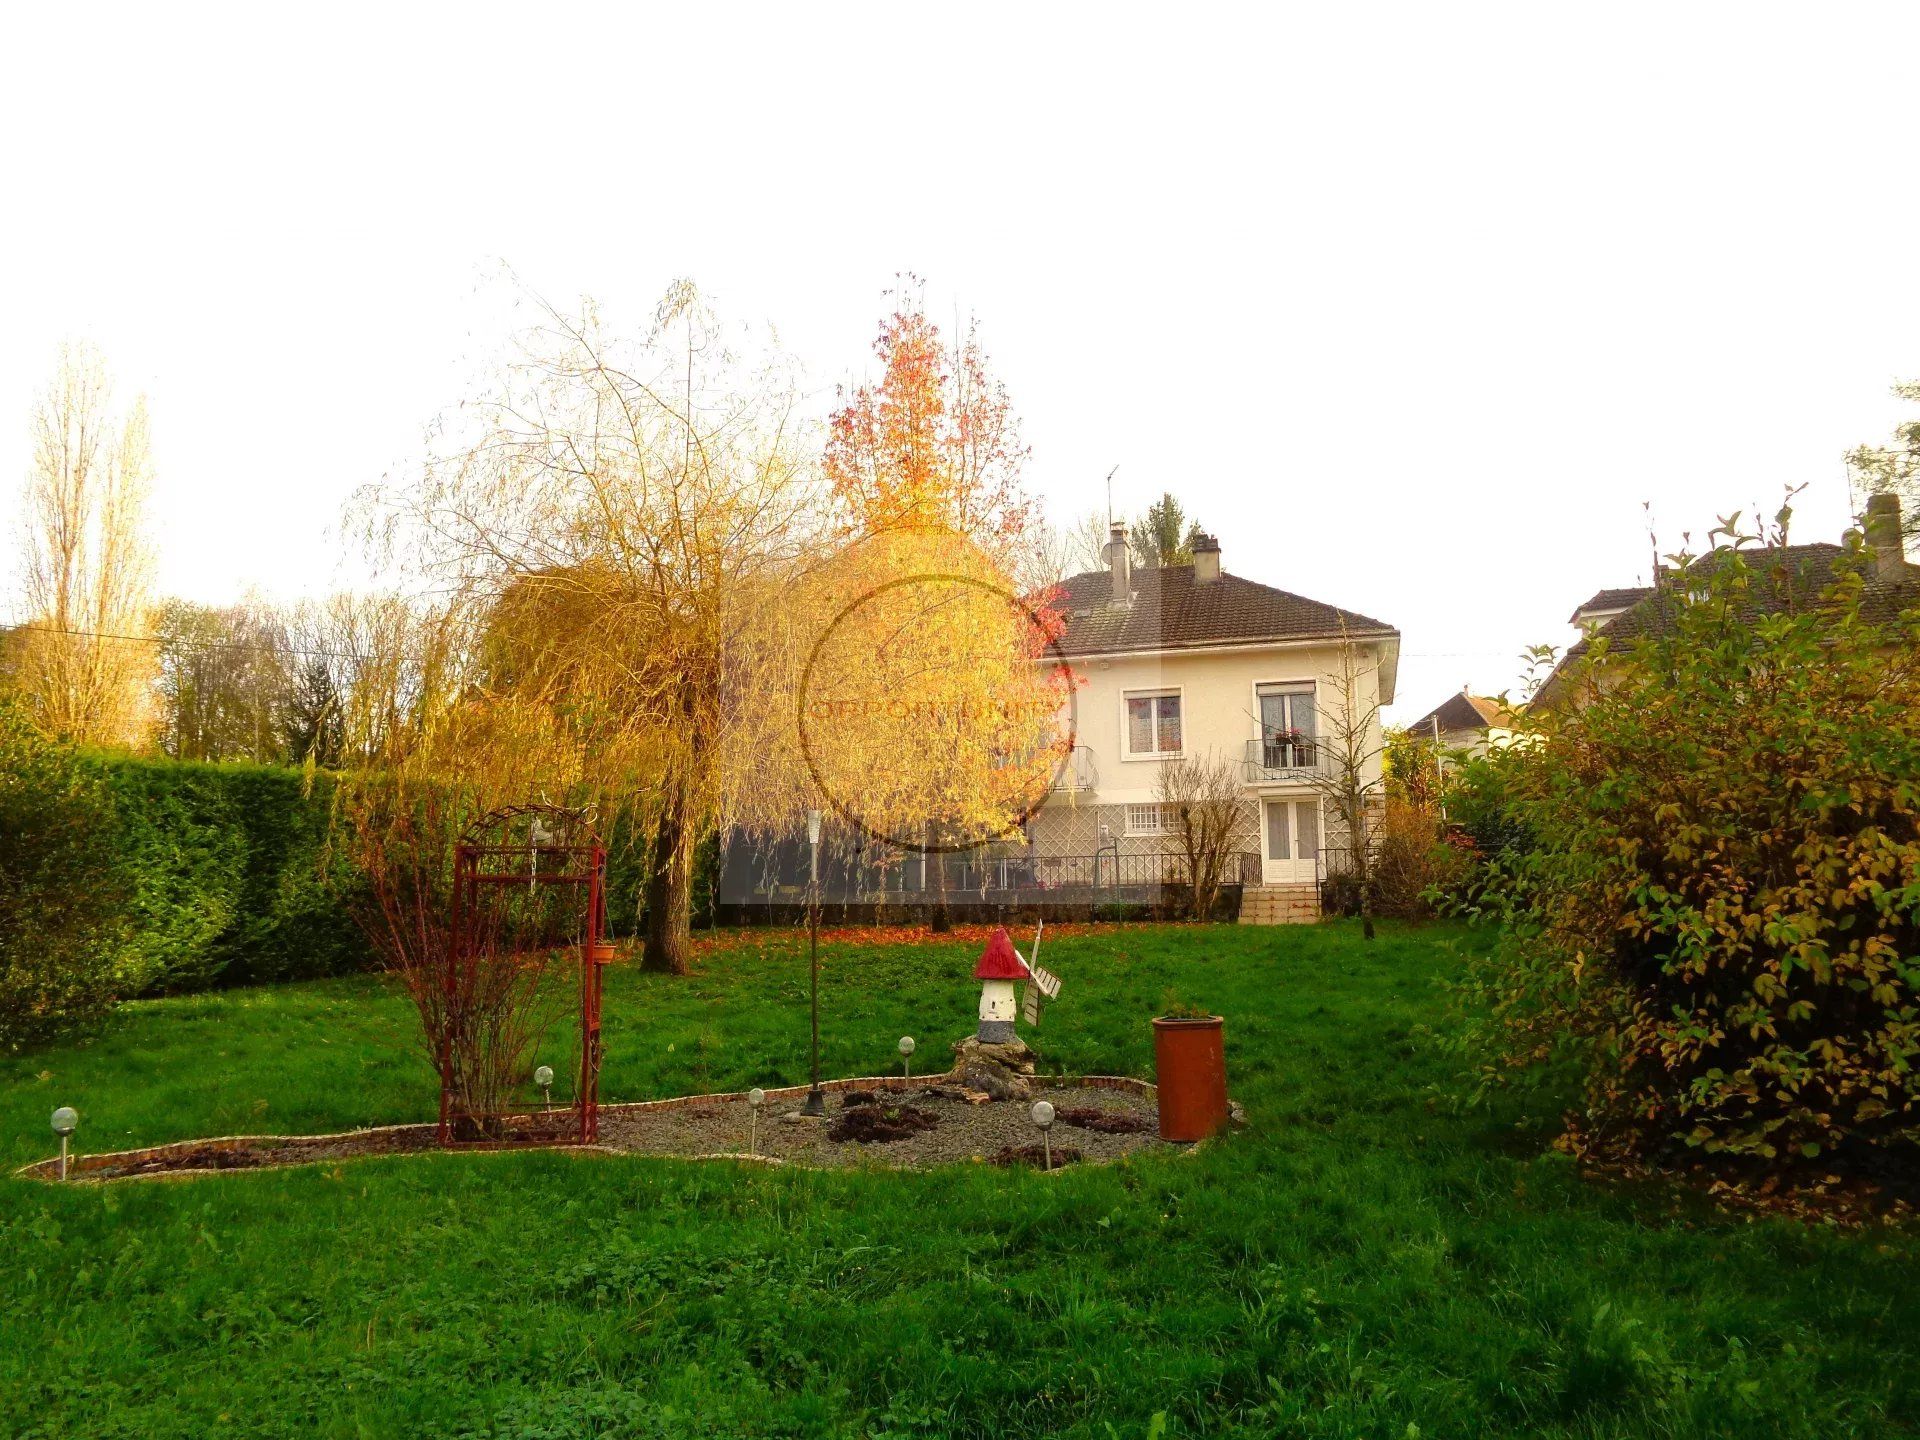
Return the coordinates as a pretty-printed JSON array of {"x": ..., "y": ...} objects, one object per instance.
[
  {"x": 1287, "y": 727},
  {"x": 1147, "y": 820},
  {"x": 1153, "y": 725}
]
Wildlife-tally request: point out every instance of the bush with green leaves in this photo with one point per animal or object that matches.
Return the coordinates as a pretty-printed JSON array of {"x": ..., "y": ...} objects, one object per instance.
[
  {"x": 232, "y": 874},
  {"x": 1713, "y": 922},
  {"x": 62, "y": 913}
]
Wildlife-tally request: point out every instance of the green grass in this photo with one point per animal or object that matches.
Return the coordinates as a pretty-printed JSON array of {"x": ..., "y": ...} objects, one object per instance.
[{"x": 1359, "y": 1261}]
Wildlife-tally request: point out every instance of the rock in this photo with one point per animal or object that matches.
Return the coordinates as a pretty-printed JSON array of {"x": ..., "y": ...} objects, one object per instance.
[{"x": 1002, "y": 1071}]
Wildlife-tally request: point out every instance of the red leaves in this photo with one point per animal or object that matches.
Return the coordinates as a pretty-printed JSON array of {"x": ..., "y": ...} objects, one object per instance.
[{"x": 935, "y": 445}]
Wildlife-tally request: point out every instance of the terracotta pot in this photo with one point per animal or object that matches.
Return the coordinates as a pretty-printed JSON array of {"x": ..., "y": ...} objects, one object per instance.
[
  {"x": 604, "y": 952},
  {"x": 1190, "y": 1067}
]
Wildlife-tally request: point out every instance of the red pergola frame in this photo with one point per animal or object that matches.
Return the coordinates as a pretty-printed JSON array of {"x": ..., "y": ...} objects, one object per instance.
[{"x": 581, "y": 862}]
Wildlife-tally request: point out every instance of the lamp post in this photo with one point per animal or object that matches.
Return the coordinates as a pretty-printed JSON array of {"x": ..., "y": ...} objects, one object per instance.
[
  {"x": 543, "y": 1077},
  {"x": 756, "y": 1097},
  {"x": 906, "y": 1054},
  {"x": 816, "y": 1104},
  {"x": 65, "y": 1122}
]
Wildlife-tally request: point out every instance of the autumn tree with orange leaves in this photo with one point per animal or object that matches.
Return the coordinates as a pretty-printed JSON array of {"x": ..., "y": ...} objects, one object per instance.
[
  {"x": 958, "y": 725},
  {"x": 934, "y": 445}
]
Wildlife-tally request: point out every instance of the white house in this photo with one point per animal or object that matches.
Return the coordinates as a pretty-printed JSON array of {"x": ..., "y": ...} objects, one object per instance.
[{"x": 1188, "y": 660}]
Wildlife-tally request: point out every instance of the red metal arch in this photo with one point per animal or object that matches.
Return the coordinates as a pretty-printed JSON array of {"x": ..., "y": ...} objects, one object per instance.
[{"x": 540, "y": 846}]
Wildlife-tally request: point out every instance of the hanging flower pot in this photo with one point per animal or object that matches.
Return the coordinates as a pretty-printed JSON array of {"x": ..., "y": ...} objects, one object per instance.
[
  {"x": 604, "y": 952},
  {"x": 1190, "y": 1068}
]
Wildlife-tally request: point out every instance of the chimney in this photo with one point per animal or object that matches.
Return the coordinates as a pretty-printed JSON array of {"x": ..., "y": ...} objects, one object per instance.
[
  {"x": 1883, "y": 538},
  {"x": 1206, "y": 560},
  {"x": 1119, "y": 563}
]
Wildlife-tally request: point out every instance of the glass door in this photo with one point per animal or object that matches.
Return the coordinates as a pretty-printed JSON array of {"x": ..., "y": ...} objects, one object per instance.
[
  {"x": 1291, "y": 855},
  {"x": 1287, "y": 724}
]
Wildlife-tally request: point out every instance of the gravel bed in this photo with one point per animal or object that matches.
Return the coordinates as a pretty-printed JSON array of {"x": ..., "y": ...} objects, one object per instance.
[
  {"x": 959, "y": 1133},
  {"x": 964, "y": 1133}
]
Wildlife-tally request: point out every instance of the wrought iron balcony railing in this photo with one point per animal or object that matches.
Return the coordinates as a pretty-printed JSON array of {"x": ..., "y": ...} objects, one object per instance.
[
  {"x": 1079, "y": 774},
  {"x": 1279, "y": 757}
]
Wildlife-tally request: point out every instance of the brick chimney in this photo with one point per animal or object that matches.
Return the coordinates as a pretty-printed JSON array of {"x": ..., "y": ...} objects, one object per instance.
[
  {"x": 1206, "y": 560},
  {"x": 1119, "y": 563},
  {"x": 1883, "y": 538}
]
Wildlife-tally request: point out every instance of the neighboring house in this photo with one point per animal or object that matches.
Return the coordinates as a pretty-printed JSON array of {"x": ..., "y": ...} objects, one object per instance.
[
  {"x": 1170, "y": 663},
  {"x": 1607, "y": 605},
  {"x": 1469, "y": 722},
  {"x": 1184, "y": 661},
  {"x": 1892, "y": 587}
]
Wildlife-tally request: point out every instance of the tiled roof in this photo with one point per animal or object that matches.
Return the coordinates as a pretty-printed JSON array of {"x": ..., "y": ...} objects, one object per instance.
[
  {"x": 1170, "y": 612},
  {"x": 1462, "y": 712},
  {"x": 1607, "y": 601},
  {"x": 1800, "y": 572}
]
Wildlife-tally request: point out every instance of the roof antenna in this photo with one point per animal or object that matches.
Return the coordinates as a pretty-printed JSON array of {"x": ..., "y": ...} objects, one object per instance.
[{"x": 1110, "y": 497}]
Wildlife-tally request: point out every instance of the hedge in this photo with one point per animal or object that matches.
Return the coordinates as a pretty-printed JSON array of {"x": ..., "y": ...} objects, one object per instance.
[
  {"x": 62, "y": 914},
  {"x": 233, "y": 876},
  {"x": 230, "y": 875}
]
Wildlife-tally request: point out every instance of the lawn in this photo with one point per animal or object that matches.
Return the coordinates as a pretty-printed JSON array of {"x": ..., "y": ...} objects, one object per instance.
[{"x": 1360, "y": 1260}]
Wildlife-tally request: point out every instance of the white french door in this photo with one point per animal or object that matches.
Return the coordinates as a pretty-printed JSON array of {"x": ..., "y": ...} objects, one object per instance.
[{"x": 1291, "y": 855}]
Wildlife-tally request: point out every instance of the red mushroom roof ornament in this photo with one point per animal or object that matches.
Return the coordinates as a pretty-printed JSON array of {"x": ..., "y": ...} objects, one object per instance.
[{"x": 999, "y": 961}]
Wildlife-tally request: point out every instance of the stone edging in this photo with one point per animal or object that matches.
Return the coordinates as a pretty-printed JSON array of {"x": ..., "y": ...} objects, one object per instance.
[{"x": 79, "y": 1165}]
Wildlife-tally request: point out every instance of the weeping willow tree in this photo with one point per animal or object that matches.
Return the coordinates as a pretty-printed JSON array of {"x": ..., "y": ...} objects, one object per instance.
[
  {"x": 640, "y": 580},
  {"x": 610, "y": 525},
  {"x": 932, "y": 714}
]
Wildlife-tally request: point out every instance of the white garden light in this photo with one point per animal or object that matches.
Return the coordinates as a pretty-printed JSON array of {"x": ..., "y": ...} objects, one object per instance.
[
  {"x": 906, "y": 1054},
  {"x": 65, "y": 1121},
  {"x": 543, "y": 1077},
  {"x": 1042, "y": 1115},
  {"x": 756, "y": 1097}
]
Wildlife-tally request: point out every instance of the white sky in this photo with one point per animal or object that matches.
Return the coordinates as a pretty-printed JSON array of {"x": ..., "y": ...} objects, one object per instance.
[{"x": 1413, "y": 306}]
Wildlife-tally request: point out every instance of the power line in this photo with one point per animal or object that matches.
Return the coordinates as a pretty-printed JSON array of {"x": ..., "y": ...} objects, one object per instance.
[
  {"x": 367, "y": 659},
  {"x": 195, "y": 645}
]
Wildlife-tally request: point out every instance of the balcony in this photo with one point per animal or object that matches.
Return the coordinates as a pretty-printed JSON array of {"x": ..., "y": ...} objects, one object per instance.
[
  {"x": 1079, "y": 774},
  {"x": 1280, "y": 758}
]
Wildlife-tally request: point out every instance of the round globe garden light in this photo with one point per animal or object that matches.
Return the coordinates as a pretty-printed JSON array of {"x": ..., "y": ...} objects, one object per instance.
[
  {"x": 543, "y": 1077},
  {"x": 65, "y": 1121},
  {"x": 756, "y": 1097},
  {"x": 906, "y": 1054},
  {"x": 1042, "y": 1115}
]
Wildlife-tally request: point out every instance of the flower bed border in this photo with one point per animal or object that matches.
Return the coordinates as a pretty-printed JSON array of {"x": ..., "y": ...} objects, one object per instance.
[{"x": 49, "y": 1170}]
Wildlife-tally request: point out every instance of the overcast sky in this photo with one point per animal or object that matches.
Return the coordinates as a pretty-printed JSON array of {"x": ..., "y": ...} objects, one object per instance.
[{"x": 1414, "y": 307}]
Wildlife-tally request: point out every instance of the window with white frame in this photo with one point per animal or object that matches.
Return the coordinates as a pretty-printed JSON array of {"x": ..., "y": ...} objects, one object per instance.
[
  {"x": 1153, "y": 724},
  {"x": 1148, "y": 820},
  {"x": 1288, "y": 724}
]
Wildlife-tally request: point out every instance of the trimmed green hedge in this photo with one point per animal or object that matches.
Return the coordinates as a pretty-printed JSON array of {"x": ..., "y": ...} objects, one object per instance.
[
  {"x": 230, "y": 875},
  {"x": 221, "y": 874}
]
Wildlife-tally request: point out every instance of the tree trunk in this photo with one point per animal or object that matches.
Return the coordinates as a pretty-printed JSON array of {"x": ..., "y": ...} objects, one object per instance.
[
  {"x": 942, "y": 917},
  {"x": 669, "y": 919},
  {"x": 1366, "y": 895}
]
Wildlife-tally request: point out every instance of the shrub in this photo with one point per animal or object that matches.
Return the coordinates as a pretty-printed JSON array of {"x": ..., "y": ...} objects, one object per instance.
[
  {"x": 1714, "y": 918},
  {"x": 1410, "y": 865},
  {"x": 1482, "y": 830},
  {"x": 230, "y": 873},
  {"x": 61, "y": 907}
]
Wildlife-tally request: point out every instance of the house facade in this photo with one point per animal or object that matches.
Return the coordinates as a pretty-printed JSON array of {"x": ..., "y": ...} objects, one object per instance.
[
  {"x": 1190, "y": 663},
  {"x": 1170, "y": 666}
]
